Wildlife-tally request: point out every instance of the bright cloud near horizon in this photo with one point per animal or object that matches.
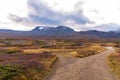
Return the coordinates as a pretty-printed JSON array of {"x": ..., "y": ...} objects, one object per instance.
[{"x": 101, "y": 15}]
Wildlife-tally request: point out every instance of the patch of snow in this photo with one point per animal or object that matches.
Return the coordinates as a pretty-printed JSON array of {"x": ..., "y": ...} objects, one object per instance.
[
  {"x": 41, "y": 28},
  {"x": 64, "y": 28}
]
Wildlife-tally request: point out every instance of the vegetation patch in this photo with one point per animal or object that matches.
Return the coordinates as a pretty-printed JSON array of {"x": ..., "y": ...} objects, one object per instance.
[
  {"x": 35, "y": 56},
  {"x": 9, "y": 71},
  {"x": 9, "y": 50},
  {"x": 32, "y": 66},
  {"x": 114, "y": 63},
  {"x": 87, "y": 51}
]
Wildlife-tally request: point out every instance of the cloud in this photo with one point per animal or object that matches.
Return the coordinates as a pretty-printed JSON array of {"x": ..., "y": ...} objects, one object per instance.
[
  {"x": 78, "y": 14},
  {"x": 102, "y": 11},
  {"x": 41, "y": 14},
  {"x": 20, "y": 20},
  {"x": 15, "y": 18},
  {"x": 107, "y": 27}
]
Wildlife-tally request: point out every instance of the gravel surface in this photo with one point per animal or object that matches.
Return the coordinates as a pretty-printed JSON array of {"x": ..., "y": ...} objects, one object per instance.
[{"x": 89, "y": 68}]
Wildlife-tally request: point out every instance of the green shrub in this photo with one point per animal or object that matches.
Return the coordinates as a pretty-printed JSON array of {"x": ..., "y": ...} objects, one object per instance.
[
  {"x": 11, "y": 50},
  {"x": 9, "y": 71}
]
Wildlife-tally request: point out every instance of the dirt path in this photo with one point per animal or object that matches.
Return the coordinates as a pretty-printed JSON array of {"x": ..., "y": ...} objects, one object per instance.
[{"x": 89, "y": 68}]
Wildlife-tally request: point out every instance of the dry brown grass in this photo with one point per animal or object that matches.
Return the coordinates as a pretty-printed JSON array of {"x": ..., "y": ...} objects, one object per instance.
[
  {"x": 114, "y": 64},
  {"x": 29, "y": 53},
  {"x": 36, "y": 66},
  {"x": 87, "y": 51}
]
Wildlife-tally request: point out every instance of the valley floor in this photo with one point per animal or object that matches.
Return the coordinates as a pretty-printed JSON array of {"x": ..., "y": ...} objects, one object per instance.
[{"x": 90, "y": 68}]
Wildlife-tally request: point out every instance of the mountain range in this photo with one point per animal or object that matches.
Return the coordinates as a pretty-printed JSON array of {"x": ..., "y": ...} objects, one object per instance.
[{"x": 58, "y": 32}]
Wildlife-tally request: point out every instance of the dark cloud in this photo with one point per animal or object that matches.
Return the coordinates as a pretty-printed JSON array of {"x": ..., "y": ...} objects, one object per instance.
[
  {"x": 15, "y": 18},
  {"x": 40, "y": 13},
  {"x": 78, "y": 18},
  {"x": 21, "y": 20}
]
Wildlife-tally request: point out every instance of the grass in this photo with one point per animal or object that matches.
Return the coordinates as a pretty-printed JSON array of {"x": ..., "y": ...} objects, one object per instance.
[
  {"x": 12, "y": 50},
  {"x": 32, "y": 66},
  {"x": 49, "y": 62},
  {"x": 28, "y": 51},
  {"x": 114, "y": 63},
  {"x": 87, "y": 51},
  {"x": 36, "y": 57},
  {"x": 77, "y": 52},
  {"x": 9, "y": 50}
]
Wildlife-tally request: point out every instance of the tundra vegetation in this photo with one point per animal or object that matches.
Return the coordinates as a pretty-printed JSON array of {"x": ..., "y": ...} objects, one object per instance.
[
  {"x": 114, "y": 60},
  {"x": 27, "y": 59}
]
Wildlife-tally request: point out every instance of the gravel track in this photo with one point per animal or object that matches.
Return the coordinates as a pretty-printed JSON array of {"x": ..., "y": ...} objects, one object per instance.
[{"x": 89, "y": 68}]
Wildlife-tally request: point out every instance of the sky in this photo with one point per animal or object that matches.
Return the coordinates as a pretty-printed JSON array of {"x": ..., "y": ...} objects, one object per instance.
[{"x": 103, "y": 15}]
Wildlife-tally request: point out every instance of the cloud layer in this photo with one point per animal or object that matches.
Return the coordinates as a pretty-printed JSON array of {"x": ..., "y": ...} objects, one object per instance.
[
  {"x": 78, "y": 14},
  {"x": 41, "y": 14}
]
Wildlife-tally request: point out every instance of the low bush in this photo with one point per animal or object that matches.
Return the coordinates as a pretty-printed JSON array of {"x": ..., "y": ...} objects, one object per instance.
[
  {"x": 9, "y": 50},
  {"x": 9, "y": 71},
  {"x": 33, "y": 66},
  {"x": 12, "y": 50}
]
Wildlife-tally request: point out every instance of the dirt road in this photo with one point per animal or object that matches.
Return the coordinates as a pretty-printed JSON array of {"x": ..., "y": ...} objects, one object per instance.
[{"x": 89, "y": 68}]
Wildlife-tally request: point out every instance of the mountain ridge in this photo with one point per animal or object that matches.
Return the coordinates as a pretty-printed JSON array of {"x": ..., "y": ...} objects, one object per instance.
[{"x": 58, "y": 32}]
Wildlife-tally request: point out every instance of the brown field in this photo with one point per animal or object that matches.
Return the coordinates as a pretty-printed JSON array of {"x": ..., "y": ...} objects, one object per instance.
[
  {"x": 33, "y": 59},
  {"x": 114, "y": 61}
]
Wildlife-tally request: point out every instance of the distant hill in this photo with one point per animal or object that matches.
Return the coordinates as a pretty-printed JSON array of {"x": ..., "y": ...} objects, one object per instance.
[
  {"x": 117, "y": 31},
  {"x": 57, "y": 32},
  {"x": 51, "y": 31}
]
